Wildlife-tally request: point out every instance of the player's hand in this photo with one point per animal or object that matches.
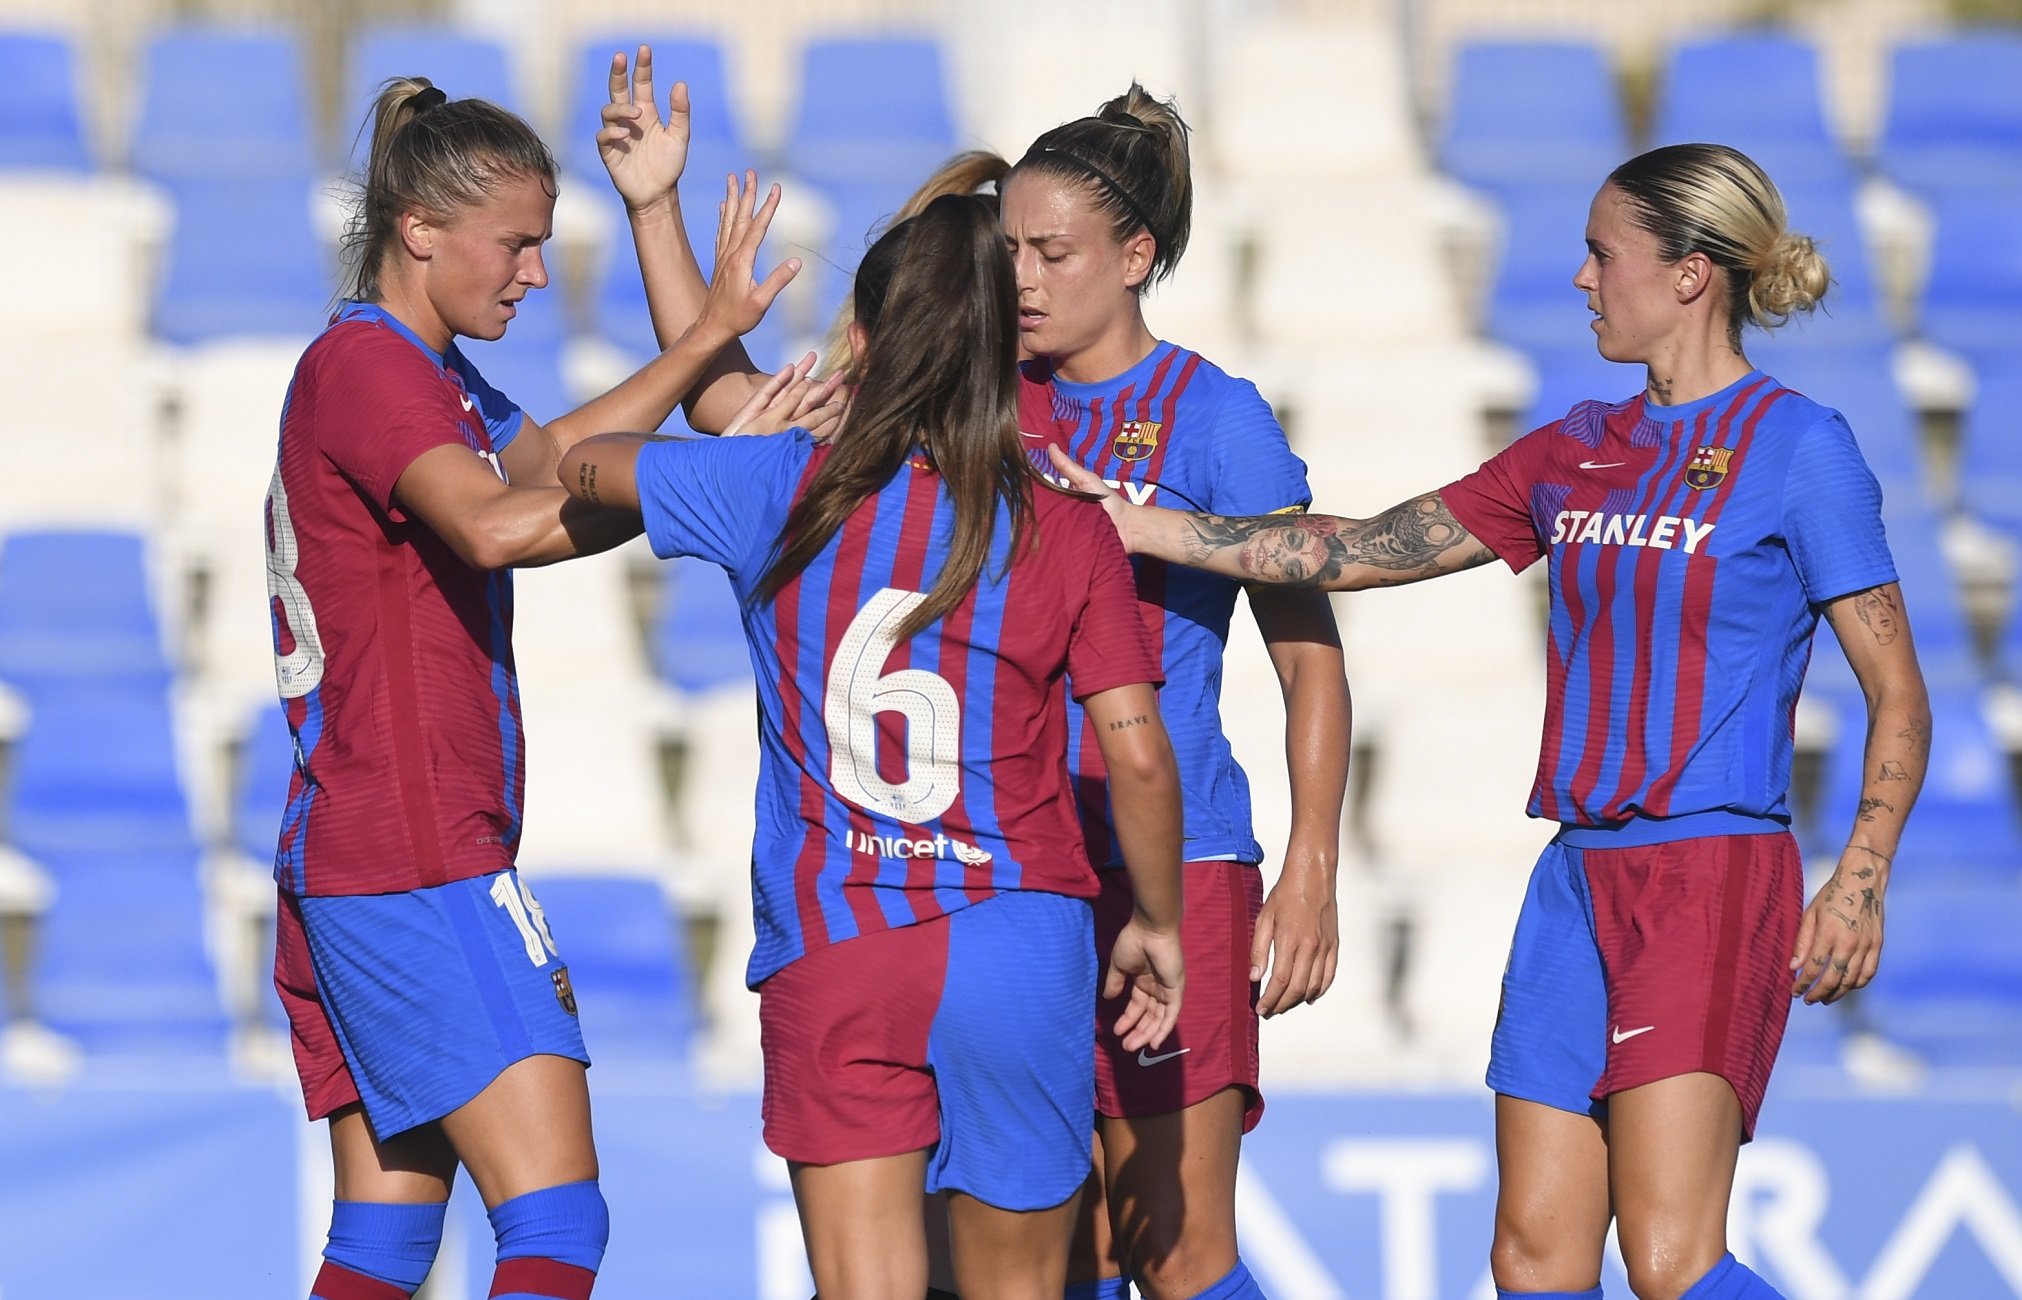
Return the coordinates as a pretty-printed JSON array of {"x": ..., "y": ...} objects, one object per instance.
[
  {"x": 1298, "y": 938},
  {"x": 1839, "y": 942},
  {"x": 737, "y": 301},
  {"x": 644, "y": 152},
  {"x": 1148, "y": 964},
  {"x": 792, "y": 399},
  {"x": 1082, "y": 479}
]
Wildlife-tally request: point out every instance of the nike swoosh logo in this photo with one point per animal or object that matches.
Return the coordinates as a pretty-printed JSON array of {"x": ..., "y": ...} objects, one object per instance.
[
  {"x": 1142, "y": 1059},
  {"x": 1624, "y": 1035},
  {"x": 1595, "y": 464},
  {"x": 467, "y": 403}
]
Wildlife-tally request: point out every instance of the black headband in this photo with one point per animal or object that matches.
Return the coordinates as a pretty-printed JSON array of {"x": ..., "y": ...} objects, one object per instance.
[
  {"x": 1109, "y": 182},
  {"x": 423, "y": 100}
]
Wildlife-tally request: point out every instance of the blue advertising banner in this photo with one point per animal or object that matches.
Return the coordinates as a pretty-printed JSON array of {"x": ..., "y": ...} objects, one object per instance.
[{"x": 116, "y": 1192}]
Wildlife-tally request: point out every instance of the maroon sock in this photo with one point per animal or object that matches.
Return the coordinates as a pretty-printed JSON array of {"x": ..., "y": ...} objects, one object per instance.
[
  {"x": 531, "y": 1277},
  {"x": 335, "y": 1282}
]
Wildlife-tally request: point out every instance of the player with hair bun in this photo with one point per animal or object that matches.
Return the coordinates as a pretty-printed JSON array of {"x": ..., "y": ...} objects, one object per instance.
[
  {"x": 432, "y": 1018},
  {"x": 920, "y": 604},
  {"x": 1695, "y": 534}
]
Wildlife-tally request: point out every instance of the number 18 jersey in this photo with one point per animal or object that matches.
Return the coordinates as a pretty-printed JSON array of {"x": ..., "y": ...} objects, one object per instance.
[{"x": 901, "y": 781}]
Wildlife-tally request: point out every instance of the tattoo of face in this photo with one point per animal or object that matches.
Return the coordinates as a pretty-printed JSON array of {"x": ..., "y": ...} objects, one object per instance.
[
  {"x": 1876, "y": 609},
  {"x": 1893, "y": 772},
  {"x": 586, "y": 481},
  {"x": 1312, "y": 551},
  {"x": 1138, "y": 721}
]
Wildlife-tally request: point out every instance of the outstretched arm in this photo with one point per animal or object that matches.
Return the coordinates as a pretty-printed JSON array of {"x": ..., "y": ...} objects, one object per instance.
[
  {"x": 1839, "y": 942},
  {"x": 1411, "y": 541}
]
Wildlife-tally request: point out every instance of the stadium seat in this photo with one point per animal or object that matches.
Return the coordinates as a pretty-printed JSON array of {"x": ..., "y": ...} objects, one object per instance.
[
  {"x": 96, "y": 773},
  {"x": 1953, "y": 119},
  {"x": 1950, "y": 986},
  {"x": 1532, "y": 303},
  {"x": 222, "y": 103},
  {"x": 1572, "y": 374},
  {"x": 619, "y": 295},
  {"x": 266, "y": 765},
  {"x": 1852, "y": 316},
  {"x": 1990, "y": 450},
  {"x": 1759, "y": 92},
  {"x": 1022, "y": 80},
  {"x": 716, "y": 130},
  {"x": 221, "y": 285},
  {"x": 464, "y": 66},
  {"x": 628, "y": 964},
  {"x": 1324, "y": 102},
  {"x": 123, "y": 968},
  {"x": 1966, "y": 826},
  {"x": 871, "y": 109},
  {"x": 1973, "y": 295},
  {"x": 698, "y": 639},
  {"x": 57, "y": 627},
  {"x": 1533, "y": 113},
  {"x": 39, "y": 125}
]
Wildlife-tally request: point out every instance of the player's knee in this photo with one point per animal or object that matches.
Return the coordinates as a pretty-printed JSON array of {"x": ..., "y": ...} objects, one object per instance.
[
  {"x": 1182, "y": 1268},
  {"x": 1527, "y": 1256},
  {"x": 569, "y": 1223},
  {"x": 1661, "y": 1274}
]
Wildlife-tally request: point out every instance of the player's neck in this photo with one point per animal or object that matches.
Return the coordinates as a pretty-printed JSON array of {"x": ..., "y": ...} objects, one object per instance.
[
  {"x": 1113, "y": 352},
  {"x": 408, "y": 305},
  {"x": 1686, "y": 373}
]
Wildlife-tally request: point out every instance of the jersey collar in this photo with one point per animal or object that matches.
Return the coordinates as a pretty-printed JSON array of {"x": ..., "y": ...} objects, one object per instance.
[{"x": 373, "y": 313}]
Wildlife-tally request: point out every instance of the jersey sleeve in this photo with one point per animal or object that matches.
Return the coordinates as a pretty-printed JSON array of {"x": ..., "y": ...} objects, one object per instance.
[
  {"x": 380, "y": 407},
  {"x": 502, "y": 416},
  {"x": 1255, "y": 472},
  {"x": 1108, "y": 645},
  {"x": 1832, "y": 515},
  {"x": 718, "y": 499},
  {"x": 1494, "y": 502}
]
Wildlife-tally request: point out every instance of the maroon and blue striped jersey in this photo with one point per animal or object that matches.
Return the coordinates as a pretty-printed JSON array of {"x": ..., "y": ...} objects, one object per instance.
[
  {"x": 1691, "y": 551},
  {"x": 902, "y": 780},
  {"x": 393, "y": 657},
  {"x": 1174, "y": 430}
]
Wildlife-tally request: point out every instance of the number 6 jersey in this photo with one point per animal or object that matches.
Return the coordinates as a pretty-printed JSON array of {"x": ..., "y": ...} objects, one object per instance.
[
  {"x": 393, "y": 656},
  {"x": 901, "y": 781}
]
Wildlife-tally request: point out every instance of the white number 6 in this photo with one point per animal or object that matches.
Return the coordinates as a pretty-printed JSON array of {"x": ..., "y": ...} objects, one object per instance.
[{"x": 856, "y": 694}]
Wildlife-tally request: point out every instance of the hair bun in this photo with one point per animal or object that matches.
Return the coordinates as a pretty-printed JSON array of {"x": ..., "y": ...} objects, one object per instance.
[{"x": 1792, "y": 277}]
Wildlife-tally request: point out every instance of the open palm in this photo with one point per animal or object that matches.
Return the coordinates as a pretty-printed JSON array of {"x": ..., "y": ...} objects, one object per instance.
[{"x": 643, "y": 151}]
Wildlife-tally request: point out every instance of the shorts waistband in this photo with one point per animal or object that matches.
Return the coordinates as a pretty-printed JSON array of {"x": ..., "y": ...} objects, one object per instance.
[{"x": 1639, "y": 831}]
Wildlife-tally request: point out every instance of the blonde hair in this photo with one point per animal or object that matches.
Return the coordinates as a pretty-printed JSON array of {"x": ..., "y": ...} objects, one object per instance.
[
  {"x": 435, "y": 155},
  {"x": 1708, "y": 198}
]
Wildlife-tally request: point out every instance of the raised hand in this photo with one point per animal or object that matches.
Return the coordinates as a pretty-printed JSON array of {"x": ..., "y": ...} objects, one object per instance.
[
  {"x": 644, "y": 152},
  {"x": 737, "y": 300},
  {"x": 791, "y": 399}
]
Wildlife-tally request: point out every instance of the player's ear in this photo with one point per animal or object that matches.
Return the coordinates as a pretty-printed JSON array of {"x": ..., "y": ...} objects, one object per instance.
[
  {"x": 1694, "y": 275},
  {"x": 417, "y": 235},
  {"x": 1139, "y": 252}
]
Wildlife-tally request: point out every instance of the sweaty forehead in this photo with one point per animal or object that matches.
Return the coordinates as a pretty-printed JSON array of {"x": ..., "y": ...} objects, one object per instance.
[{"x": 1037, "y": 204}]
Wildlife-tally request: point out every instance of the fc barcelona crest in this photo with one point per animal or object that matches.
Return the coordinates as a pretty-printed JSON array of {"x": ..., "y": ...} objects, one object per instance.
[
  {"x": 564, "y": 994},
  {"x": 1707, "y": 467},
  {"x": 1137, "y": 440}
]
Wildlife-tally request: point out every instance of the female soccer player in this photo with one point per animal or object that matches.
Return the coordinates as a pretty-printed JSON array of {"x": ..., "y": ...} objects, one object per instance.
[
  {"x": 1095, "y": 212},
  {"x": 432, "y": 1017},
  {"x": 1695, "y": 533},
  {"x": 915, "y": 595}
]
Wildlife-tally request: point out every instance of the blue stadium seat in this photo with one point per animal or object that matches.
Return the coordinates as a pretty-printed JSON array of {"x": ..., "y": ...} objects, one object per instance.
[
  {"x": 1954, "y": 118},
  {"x": 1950, "y": 984},
  {"x": 1973, "y": 296},
  {"x": 95, "y": 774},
  {"x": 222, "y": 103},
  {"x": 1966, "y": 826},
  {"x": 715, "y": 128},
  {"x": 628, "y": 964},
  {"x": 1759, "y": 92},
  {"x": 266, "y": 763},
  {"x": 75, "y": 606},
  {"x": 1572, "y": 374},
  {"x": 698, "y": 639},
  {"x": 1533, "y": 304},
  {"x": 1990, "y": 450},
  {"x": 1533, "y": 113},
  {"x": 1852, "y": 316},
  {"x": 39, "y": 124},
  {"x": 619, "y": 296},
  {"x": 220, "y": 284},
  {"x": 122, "y": 966},
  {"x": 462, "y": 65}
]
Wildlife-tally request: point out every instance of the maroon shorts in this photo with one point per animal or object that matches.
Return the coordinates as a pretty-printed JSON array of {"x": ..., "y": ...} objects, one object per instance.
[
  {"x": 326, "y": 1079},
  {"x": 1214, "y": 1045}
]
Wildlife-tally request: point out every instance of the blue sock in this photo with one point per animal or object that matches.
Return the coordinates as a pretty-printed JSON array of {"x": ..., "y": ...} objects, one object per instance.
[
  {"x": 386, "y": 1242},
  {"x": 1731, "y": 1279},
  {"x": 1237, "y": 1284},
  {"x": 550, "y": 1242},
  {"x": 1107, "y": 1288},
  {"x": 1594, "y": 1294}
]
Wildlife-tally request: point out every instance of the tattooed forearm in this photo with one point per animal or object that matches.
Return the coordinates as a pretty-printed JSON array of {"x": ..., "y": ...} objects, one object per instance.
[
  {"x": 1918, "y": 734},
  {"x": 1892, "y": 772},
  {"x": 1876, "y": 609},
  {"x": 1411, "y": 540},
  {"x": 1138, "y": 721},
  {"x": 1868, "y": 807}
]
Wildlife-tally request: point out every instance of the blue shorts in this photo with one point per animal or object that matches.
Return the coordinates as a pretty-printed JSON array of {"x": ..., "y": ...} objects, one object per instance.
[
  {"x": 432, "y": 993},
  {"x": 971, "y": 1035}
]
